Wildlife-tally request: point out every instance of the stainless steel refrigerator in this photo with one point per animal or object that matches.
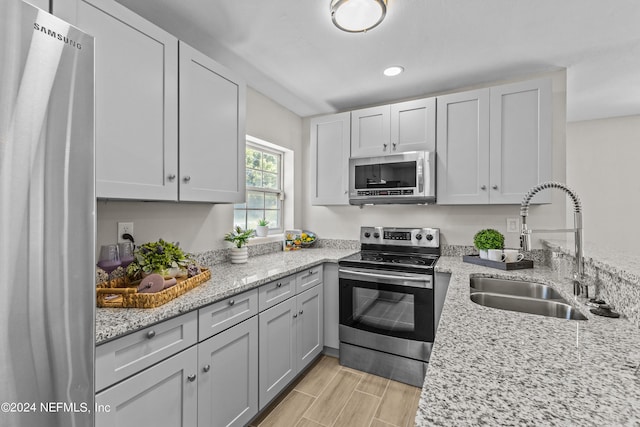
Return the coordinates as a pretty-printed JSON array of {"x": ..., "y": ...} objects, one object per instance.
[{"x": 47, "y": 220}]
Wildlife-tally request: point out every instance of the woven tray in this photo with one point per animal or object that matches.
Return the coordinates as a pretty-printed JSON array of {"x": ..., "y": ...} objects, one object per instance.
[{"x": 128, "y": 296}]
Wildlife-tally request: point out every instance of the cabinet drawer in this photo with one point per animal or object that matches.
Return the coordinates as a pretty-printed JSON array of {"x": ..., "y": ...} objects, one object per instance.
[
  {"x": 276, "y": 291},
  {"x": 223, "y": 314},
  {"x": 308, "y": 278},
  {"x": 123, "y": 357}
]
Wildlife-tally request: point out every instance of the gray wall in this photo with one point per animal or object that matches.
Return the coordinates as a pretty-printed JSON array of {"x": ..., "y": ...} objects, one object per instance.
[{"x": 603, "y": 168}]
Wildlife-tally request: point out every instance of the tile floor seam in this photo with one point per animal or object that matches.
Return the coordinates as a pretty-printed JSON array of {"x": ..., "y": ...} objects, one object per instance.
[
  {"x": 320, "y": 393},
  {"x": 386, "y": 387},
  {"x": 344, "y": 406}
]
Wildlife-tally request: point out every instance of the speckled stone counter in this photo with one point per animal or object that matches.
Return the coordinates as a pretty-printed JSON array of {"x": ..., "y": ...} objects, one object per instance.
[
  {"x": 226, "y": 280},
  {"x": 496, "y": 367}
]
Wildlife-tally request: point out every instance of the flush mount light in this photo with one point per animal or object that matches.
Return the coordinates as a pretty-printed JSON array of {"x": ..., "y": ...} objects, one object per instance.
[
  {"x": 393, "y": 71},
  {"x": 357, "y": 16}
]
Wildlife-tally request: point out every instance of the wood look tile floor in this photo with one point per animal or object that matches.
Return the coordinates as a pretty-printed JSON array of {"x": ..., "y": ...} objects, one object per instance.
[{"x": 329, "y": 395}]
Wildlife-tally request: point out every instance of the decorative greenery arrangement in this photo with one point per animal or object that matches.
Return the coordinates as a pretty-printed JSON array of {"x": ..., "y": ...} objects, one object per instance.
[
  {"x": 160, "y": 257},
  {"x": 263, "y": 222},
  {"x": 488, "y": 239},
  {"x": 238, "y": 236}
]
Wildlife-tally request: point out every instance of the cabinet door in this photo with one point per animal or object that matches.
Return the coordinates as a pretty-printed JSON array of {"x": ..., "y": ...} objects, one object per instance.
[
  {"x": 277, "y": 338},
  {"x": 163, "y": 395},
  {"x": 463, "y": 148},
  {"x": 212, "y": 130},
  {"x": 413, "y": 126},
  {"x": 329, "y": 159},
  {"x": 520, "y": 140},
  {"x": 371, "y": 131},
  {"x": 228, "y": 379},
  {"x": 136, "y": 96},
  {"x": 309, "y": 325}
]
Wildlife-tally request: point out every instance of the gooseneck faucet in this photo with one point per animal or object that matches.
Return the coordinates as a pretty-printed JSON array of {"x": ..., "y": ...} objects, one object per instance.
[{"x": 579, "y": 286}]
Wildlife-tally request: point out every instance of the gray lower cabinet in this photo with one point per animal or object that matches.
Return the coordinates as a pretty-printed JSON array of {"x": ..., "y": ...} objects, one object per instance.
[
  {"x": 277, "y": 365},
  {"x": 291, "y": 336},
  {"x": 228, "y": 376},
  {"x": 163, "y": 395}
]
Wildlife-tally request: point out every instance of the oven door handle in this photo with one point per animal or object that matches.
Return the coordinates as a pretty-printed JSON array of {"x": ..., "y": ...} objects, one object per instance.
[{"x": 418, "y": 280}]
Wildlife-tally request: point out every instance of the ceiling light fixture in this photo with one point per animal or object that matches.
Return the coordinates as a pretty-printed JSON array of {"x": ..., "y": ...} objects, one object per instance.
[
  {"x": 393, "y": 71},
  {"x": 357, "y": 16}
]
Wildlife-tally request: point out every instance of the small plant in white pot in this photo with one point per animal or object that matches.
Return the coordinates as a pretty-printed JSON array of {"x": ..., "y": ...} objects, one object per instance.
[
  {"x": 239, "y": 238},
  {"x": 488, "y": 239},
  {"x": 262, "y": 230}
]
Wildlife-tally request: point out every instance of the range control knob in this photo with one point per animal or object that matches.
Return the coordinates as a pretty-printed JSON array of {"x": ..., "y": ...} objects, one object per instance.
[
  {"x": 367, "y": 234},
  {"x": 429, "y": 237},
  {"x": 376, "y": 235},
  {"x": 419, "y": 236}
]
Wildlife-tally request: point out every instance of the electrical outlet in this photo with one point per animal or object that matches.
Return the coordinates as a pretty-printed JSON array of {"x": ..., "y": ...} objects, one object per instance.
[
  {"x": 513, "y": 225},
  {"x": 124, "y": 228}
]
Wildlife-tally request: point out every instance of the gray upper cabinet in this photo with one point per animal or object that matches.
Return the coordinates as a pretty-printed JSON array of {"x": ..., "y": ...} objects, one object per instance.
[
  {"x": 136, "y": 84},
  {"x": 212, "y": 130},
  {"x": 141, "y": 103},
  {"x": 396, "y": 128},
  {"x": 329, "y": 159},
  {"x": 463, "y": 148},
  {"x": 494, "y": 144}
]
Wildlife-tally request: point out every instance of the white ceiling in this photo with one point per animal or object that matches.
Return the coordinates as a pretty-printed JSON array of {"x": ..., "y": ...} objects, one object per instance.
[{"x": 290, "y": 51}]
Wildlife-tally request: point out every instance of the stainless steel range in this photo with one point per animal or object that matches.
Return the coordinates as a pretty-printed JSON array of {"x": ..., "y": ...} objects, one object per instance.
[{"x": 389, "y": 302}]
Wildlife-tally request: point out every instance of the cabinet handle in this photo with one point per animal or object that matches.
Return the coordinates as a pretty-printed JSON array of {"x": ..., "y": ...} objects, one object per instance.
[
  {"x": 483, "y": 187},
  {"x": 279, "y": 285},
  {"x": 311, "y": 273},
  {"x": 295, "y": 315},
  {"x": 187, "y": 178},
  {"x": 495, "y": 187},
  {"x": 301, "y": 312},
  {"x": 171, "y": 177},
  {"x": 151, "y": 334},
  {"x": 206, "y": 368},
  {"x": 191, "y": 377},
  {"x": 231, "y": 302},
  {"x": 346, "y": 191},
  {"x": 385, "y": 147},
  {"x": 394, "y": 146}
]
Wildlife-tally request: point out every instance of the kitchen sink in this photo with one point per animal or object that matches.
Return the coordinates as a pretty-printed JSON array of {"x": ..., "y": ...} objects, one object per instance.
[
  {"x": 521, "y": 296},
  {"x": 514, "y": 287},
  {"x": 543, "y": 307}
]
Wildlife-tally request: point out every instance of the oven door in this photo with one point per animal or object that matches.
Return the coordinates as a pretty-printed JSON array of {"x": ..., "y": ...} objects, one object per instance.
[{"x": 392, "y": 303}]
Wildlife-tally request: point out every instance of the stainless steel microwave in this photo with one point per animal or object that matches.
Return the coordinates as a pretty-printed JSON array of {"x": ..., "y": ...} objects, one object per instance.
[{"x": 407, "y": 178}]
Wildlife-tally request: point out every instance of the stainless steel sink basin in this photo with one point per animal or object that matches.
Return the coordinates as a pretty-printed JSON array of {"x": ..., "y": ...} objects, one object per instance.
[
  {"x": 521, "y": 296},
  {"x": 513, "y": 287},
  {"x": 543, "y": 307}
]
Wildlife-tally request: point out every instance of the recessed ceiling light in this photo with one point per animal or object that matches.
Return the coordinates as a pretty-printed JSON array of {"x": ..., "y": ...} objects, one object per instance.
[{"x": 393, "y": 71}]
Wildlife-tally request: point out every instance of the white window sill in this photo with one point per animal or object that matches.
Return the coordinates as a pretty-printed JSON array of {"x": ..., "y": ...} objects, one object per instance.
[{"x": 270, "y": 238}]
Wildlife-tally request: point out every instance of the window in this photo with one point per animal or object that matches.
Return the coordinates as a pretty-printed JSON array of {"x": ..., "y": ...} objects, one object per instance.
[{"x": 264, "y": 188}]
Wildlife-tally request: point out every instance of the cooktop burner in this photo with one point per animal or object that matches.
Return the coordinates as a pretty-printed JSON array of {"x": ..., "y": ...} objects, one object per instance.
[{"x": 387, "y": 258}]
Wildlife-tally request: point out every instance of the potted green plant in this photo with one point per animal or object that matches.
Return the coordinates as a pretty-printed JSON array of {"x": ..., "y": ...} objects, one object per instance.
[
  {"x": 239, "y": 238},
  {"x": 161, "y": 257},
  {"x": 488, "y": 239},
  {"x": 262, "y": 230}
]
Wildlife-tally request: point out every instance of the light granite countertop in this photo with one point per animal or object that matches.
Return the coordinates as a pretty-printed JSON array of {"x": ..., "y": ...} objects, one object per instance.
[
  {"x": 226, "y": 280},
  {"x": 496, "y": 367}
]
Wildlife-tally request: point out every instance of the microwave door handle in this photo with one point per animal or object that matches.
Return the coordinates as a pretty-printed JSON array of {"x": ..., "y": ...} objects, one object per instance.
[{"x": 420, "y": 177}]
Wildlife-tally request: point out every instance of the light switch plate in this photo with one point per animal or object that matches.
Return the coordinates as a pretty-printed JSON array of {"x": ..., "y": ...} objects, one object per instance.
[{"x": 513, "y": 225}]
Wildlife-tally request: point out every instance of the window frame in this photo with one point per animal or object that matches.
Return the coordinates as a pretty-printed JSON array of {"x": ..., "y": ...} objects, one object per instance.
[{"x": 265, "y": 147}]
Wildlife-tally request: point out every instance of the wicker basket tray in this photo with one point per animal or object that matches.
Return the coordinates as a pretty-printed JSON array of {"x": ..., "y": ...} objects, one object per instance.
[{"x": 122, "y": 296}]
